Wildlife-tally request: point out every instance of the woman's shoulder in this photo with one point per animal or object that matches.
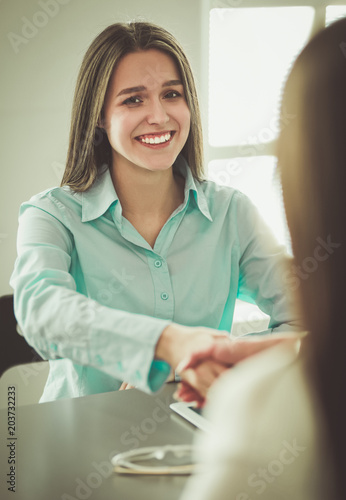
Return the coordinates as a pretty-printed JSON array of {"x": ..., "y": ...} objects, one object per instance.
[
  {"x": 55, "y": 200},
  {"x": 60, "y": 193},
  {"x": 64, "y": 199},
  {"x": 59, "y": 203},
  {"x": 212, "y": 188},
  {"x": 222, "y": 198}
]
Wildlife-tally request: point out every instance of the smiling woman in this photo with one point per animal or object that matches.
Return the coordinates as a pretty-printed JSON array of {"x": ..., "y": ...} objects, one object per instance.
[
  {"x": 112, "y": 61},
  {"x": 135, "y": 259},
  {"x": 147, "y": 122},
  {"x": 146, "y": 117}
]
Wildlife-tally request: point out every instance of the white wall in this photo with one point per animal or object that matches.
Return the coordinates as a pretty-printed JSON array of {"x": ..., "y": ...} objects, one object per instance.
[{"x": 39, "y": 66}]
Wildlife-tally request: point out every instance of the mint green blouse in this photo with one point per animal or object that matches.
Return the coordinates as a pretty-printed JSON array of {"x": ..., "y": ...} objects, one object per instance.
[{"x": 93, "y": 297}]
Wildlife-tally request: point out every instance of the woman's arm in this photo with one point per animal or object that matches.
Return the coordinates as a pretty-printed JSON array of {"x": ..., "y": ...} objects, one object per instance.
[
  {"x": 60, "y": 322},
  {"x": 264, "y": 269}
]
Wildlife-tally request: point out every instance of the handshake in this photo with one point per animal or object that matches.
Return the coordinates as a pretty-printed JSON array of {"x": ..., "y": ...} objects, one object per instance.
[
  {"x": 200, "y": 355},
  {"x": 209, "y": 354}
]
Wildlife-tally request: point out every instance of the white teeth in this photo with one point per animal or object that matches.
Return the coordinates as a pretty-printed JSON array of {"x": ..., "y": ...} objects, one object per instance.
[{"x": 156, "y": 140}]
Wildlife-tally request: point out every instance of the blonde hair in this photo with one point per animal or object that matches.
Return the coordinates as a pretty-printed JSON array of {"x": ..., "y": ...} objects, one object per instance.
[{"x": 89, "y": 149}]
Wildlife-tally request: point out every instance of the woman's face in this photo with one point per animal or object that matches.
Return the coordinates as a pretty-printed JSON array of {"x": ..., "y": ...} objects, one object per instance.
[{"x": 146, "y": 116}]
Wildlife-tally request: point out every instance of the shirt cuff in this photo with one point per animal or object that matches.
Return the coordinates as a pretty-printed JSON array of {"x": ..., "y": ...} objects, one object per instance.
[{"x": 158, "y": 374}]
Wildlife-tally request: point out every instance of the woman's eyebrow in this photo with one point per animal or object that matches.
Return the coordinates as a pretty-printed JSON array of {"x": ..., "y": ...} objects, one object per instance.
[
  {"x": 172, "y": 82},
  {"x": 140, "y": 88},
  {"x": 130, "y": 90}
]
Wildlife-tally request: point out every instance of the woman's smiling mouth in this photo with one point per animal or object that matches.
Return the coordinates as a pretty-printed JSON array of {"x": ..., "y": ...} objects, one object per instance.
[{"x": 158, "y": 139}]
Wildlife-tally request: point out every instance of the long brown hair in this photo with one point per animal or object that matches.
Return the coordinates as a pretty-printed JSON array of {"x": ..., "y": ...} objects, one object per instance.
[
  {"x": 312, "y": 164},
  {"x": 89, "y": 149}
]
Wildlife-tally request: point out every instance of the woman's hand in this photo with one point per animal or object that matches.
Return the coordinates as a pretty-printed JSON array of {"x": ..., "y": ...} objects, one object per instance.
[
  {"x": 200, "y": 370},
  {"x": 179, "y": 342},
  {"x": 124, "y": 386},
  {"x": 196, "y": 382}
]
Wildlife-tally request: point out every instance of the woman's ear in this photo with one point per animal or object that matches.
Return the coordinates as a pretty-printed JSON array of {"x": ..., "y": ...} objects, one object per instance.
[{"x": 101, "y": 122}]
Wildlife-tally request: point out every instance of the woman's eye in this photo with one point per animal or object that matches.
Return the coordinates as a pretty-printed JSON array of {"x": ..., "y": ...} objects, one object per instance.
[
  {"x": 172, "y": 94},
  {"x": 133, "y": 100}
]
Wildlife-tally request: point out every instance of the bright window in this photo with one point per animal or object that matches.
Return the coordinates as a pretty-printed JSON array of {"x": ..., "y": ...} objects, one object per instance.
[
  {"x": 334, "y": 12},
  {"x": 251, "y": 51},
  {"x": 256, "y": 177}
]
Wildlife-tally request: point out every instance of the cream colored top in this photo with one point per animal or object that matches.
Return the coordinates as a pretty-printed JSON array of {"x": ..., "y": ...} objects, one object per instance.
[{"x": 267, "y": 435}]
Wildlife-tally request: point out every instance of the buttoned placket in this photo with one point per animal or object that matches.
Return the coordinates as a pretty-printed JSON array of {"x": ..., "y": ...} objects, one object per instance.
[{"x": 156, "y": 257}]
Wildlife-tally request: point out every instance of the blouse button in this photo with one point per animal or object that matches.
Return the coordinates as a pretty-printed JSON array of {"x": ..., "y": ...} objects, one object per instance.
[
  {"x": 164, "y": 296},
  {"x": 157, "y": 263}
]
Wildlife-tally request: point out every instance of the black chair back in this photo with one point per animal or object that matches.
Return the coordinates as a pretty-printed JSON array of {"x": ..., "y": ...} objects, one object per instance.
[{"x": 14, "y": 348}]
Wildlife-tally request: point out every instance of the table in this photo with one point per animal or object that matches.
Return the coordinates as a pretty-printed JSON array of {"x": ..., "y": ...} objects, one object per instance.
[{"x": 63, "y": 448}]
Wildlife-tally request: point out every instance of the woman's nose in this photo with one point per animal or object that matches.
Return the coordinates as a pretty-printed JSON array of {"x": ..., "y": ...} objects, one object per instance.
[{"x": 157, "y": 114}]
